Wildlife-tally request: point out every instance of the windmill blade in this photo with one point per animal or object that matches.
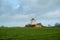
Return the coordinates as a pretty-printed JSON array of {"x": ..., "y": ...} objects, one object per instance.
[{"x": 33, "y": 16}]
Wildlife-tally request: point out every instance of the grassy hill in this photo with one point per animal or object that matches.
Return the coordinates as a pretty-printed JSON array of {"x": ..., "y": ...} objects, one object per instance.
[{"x": 29, "y": 33}]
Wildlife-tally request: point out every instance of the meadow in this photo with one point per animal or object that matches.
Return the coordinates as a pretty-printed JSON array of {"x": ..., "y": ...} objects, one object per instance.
[{"x": 29, "y": 33}]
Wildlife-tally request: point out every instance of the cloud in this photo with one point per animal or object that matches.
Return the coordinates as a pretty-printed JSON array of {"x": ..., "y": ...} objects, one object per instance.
[
  {"x": 22, "y": 16},
  {"x": 16, "y": 17},
  {"x": 22, "y": 10},
  {"x": 52, "y": 14},
  {"x": 26, "y": 8},
  {"x": 16, "y": 7},
  {"x": 30, "y": 5},
  {"x": 39, "y": 3}
]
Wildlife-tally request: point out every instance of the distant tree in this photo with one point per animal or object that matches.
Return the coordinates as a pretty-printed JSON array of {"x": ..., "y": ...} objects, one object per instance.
[
  {"x": 2, "y": 26},
  {"x": 57, "y": 25}
]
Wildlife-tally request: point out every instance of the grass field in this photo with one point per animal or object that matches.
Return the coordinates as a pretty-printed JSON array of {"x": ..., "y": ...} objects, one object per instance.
[{"x": 29, "y": 33}]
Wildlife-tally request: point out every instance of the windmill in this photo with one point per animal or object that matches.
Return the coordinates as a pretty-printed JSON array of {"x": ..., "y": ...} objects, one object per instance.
[{"x": 33, "y": 20}]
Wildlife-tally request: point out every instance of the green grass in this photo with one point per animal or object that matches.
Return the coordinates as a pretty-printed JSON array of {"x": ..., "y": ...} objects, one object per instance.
[{"x": 29, "y": 33}]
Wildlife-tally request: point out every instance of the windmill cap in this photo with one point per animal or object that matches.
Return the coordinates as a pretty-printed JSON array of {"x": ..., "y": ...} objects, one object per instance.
[{"x": 32, "y": 18}]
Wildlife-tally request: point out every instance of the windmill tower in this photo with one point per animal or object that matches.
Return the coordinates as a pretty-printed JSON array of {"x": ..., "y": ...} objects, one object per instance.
[{"x": 33, "y": 21}]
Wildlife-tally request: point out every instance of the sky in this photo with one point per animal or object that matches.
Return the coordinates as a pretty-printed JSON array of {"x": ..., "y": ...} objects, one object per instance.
[{"x": 20, "y": 12}]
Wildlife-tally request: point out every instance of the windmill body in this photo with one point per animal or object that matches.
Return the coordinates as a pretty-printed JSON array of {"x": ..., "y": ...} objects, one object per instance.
[
  {"x": 33, "y": 21},
  {"x": 34, "y": 24}
]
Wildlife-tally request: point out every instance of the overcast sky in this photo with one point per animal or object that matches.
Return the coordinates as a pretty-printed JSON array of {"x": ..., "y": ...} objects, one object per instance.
[{"x": 20, "y": 12}]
